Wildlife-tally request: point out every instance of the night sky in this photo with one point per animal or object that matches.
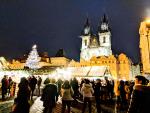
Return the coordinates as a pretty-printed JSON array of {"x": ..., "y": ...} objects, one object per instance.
[{"x": 54, "y": 24}]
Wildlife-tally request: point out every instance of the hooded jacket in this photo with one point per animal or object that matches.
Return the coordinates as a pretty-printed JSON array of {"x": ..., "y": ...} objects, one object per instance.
[{"x": 87, "y": 90}]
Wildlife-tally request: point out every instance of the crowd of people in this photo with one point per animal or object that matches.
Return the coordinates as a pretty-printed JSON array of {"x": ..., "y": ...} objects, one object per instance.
[
  {"x": 25, "y": 93},
  {"x": 130, "y": 95},
  {"x": 7, "y": 87}
]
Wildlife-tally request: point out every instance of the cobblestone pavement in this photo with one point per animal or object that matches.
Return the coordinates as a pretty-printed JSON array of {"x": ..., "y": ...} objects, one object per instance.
[
  {"x": 5, "y": 107},
  {"x": 37, "y": 107}
]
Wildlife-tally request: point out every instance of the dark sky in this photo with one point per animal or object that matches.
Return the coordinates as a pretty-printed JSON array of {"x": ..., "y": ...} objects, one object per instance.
[{"x": 54, "y": 24}]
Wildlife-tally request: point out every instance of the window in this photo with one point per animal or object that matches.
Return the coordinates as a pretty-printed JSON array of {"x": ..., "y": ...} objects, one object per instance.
[
  {"x": 104, "y": 39},
  {"x": 85, "y": 42}
]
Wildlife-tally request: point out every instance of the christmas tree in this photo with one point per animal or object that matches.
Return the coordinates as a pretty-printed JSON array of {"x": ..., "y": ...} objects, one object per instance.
[{"x": 33, "y": 59}]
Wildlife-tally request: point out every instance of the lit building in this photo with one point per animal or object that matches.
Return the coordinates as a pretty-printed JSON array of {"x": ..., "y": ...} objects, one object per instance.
[
  {"x": 96, "y": 51},
  {"x": 144, "y": 32},
  {"x": 59, "y": 60},
  {"x": 96, "y": 58},
  {"x": 93, "y": 46},
  {"x": 135, "y": 70},
  {"x": 16, "y": 64},
  {"x": 124, "y": 67},
  {"x": 3, "y": 63}
]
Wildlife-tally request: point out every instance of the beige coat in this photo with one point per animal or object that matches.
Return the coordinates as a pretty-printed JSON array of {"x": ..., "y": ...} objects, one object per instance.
[
  {"x": 67, "y": 94},
  {"x": 87, "y": 90}
]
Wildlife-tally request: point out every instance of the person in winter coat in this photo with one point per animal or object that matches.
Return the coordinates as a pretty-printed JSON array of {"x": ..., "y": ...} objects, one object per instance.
[
  {"x": 32, "y": 84},
  {"x": 127, "y": 90},
  {"x": 39, "y": 81},
  {"x": 123, "y": 100},
  {"x": 59, "y": 84},
  {"x": 87, "y": 92},
  {"x": 4, "y": 86},
  {"x": 75, "y": 86},
  {"x": 21, "y": 102},
  {"x": 49, "y": 96},
  {"x": 97, "y": 93},
  {"x": 66, "y": 93},
  {"x": 140, "y": 98}
]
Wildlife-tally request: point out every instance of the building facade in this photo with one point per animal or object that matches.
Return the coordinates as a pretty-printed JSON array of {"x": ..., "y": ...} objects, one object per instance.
[
  {"x": 96, "y": 45},
  {"x": 144, "y": 46},
  {"x": 96, "y": 51},
  {"x": 96, "y": 56},
  {"x": 4, "y": 64}
]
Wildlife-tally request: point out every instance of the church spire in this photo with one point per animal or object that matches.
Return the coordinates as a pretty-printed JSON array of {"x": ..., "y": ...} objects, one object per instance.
[
  {"x": 105, "y": 19},
  {"x": 87, "y": 24},
  {"x": 103, "y": 27},
  {"x": 87, "y": 28}
]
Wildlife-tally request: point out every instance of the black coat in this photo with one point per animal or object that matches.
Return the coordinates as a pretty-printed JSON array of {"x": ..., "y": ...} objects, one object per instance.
[
  {"x": 33, "y": 83},
  {"x": 4, "y": 85},
  {"x": 97, "y": 90},
  {"x": 22, "y": 104},
  {"x": 49, "y": 95},
  {"x": 140, "y": 100}
]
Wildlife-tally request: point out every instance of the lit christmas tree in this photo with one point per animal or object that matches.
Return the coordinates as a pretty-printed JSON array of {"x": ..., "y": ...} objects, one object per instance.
[{"x": 33, "y": 59}]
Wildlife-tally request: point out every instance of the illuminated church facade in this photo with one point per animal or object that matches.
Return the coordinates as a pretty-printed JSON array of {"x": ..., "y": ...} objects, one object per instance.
[
  {"x": 93, "y": 45},
  {"x": 96, "y": 57},
  {"x": 96, "y": 51}
]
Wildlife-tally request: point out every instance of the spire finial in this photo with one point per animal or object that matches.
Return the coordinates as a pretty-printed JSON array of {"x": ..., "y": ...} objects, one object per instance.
[
  {"x": 87, "y": 20},
  {"x": 104, "y": 19},
  {"x": 87, "y": 27}
]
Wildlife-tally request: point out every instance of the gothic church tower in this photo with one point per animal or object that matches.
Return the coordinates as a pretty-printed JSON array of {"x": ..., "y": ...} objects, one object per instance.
[
  {"x": 85, "y": 35},
  {"x": 105, "y": 36},
  {"x": 96, "y": 45}
]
